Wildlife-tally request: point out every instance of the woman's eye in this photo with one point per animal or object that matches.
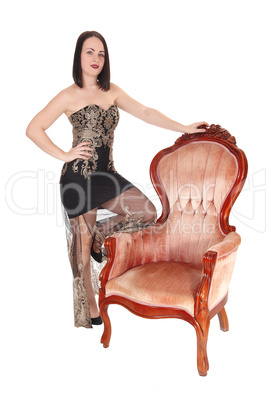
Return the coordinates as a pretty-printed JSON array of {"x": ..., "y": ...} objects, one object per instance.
[
  {"x": 89, "y": 52},
  {"x": 101, "y": 55}
]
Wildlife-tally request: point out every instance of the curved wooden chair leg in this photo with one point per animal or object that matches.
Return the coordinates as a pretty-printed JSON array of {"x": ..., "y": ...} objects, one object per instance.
[
  {"x": 202, "y": 358},
  {"x": 105, "y": 339},
  {"x": 223, "y": 320}
]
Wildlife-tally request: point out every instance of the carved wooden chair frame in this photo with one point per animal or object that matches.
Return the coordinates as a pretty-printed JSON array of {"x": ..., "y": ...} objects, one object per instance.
[{"x": 202, "y": 314}]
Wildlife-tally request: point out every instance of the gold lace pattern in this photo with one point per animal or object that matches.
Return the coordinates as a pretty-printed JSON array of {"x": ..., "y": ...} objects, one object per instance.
[{"x": 95, "y": 125}]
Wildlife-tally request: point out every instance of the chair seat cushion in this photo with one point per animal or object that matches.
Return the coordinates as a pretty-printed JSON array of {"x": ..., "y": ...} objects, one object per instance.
[{"x": 166, "y": 283}]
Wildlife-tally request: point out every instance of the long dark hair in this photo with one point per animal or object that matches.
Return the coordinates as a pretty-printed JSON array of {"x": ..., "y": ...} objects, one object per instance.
[{"x": 104, "y": 76}]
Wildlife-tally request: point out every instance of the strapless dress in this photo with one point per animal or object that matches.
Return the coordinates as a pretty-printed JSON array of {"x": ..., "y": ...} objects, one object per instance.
[{"x": 87, "y": 184}]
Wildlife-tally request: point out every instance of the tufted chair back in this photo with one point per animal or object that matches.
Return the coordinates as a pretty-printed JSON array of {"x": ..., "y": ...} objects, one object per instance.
[{"x": 196, "y": 180}]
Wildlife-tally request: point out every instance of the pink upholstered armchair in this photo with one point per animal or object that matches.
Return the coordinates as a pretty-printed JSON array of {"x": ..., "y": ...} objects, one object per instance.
[{"x": 182, "y": 266}]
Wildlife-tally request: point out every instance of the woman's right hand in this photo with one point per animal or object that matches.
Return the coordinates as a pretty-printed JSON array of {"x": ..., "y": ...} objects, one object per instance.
[{"x": 81, "y": 151}]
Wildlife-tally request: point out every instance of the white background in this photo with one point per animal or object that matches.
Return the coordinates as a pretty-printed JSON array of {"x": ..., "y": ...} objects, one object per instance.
[{"x": 192, "y": 60}]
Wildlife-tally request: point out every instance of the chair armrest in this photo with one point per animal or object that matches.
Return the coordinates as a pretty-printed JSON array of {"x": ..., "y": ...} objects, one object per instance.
[
  {"x": 229, "y": 244},
  {"x": 222, "y": 273},
  {"x": 140, "y": 248},
  {"x": 218, "y": 264}
]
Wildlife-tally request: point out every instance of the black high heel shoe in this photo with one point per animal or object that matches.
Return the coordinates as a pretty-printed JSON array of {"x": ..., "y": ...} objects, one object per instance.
[
  {"x": 96, "y": 321},
  {"x": 97, "y": 256}
]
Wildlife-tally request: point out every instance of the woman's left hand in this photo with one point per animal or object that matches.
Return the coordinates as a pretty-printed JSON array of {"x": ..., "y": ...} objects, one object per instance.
[{"x": 193, "y": 128}]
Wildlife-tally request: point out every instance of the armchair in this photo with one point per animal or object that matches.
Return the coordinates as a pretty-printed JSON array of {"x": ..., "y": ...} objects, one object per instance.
[{"x": 182, "y": 266}]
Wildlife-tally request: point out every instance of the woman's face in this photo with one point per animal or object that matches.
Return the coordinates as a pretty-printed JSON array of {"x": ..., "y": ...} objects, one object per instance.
[{"x": 92, "y": 56}]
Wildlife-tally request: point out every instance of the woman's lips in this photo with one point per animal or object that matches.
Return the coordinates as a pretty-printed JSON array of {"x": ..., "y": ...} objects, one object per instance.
[{"x": 94, "y": 66}]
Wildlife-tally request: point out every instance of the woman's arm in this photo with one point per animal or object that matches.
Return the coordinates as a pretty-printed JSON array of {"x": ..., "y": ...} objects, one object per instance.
[
  {"x": 149, "y": 115},
  {"x": 43, "y": 120}
]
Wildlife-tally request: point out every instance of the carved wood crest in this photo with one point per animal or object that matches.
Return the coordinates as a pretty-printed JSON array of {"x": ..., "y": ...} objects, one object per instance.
[{"x": 213, "y": 131}]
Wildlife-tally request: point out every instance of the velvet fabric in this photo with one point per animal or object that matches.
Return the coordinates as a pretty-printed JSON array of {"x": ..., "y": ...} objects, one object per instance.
[
  {"x": 197, "y": 179},
  {"x": 171, "y": 284},
  {"x": 226, "y": 255},
  {"x": 163, "y": 264}
]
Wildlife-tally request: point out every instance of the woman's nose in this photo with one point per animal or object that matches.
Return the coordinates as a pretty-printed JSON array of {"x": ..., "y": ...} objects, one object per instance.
[{"x": 96, "y": 57}]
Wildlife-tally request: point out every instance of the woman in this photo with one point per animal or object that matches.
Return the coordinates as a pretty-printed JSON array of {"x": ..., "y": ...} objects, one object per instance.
[{"x": 88, "y": 179}]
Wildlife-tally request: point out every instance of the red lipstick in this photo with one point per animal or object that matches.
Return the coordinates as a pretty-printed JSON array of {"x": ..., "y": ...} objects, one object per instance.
[{"x": 94, "y": 66}]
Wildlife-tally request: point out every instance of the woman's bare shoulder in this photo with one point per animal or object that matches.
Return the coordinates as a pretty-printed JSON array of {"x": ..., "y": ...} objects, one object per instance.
[
  {"x": 65, "y": 98},
  {"x": 115, "y": 88},
  {"x": 68, "y": 93},
  {"x": 116, "y": 91}
]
